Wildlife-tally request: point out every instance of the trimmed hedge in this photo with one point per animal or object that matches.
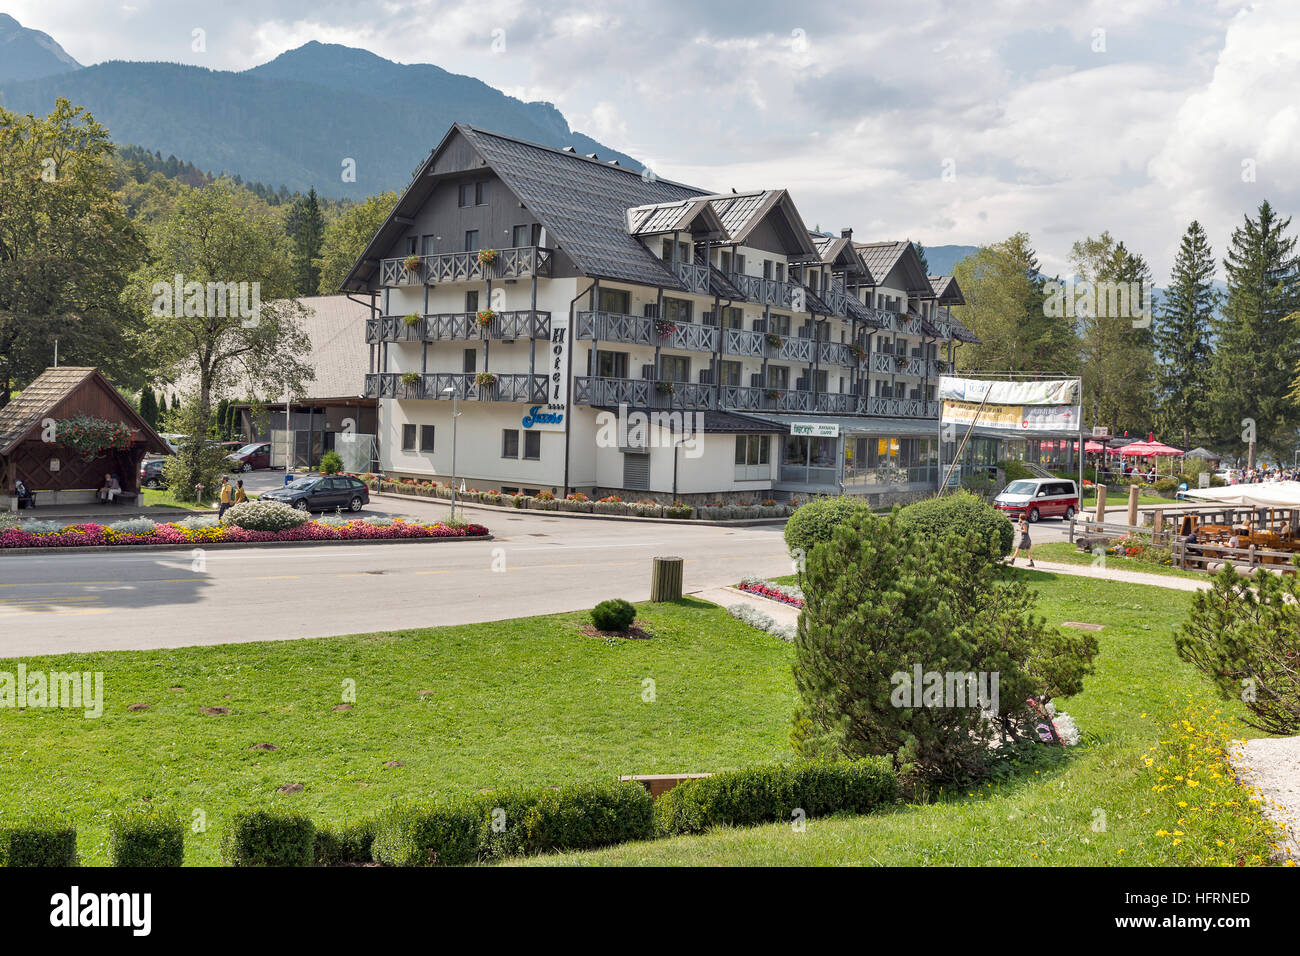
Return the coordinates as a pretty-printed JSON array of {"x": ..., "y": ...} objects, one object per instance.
[
  {"x": 816, "y": 521},
  {"x": 39, "y": 842},
  {"x": 771, "y": 794},
  {"x": 510, "y": 823},
  {"x": 269, "y": 838},
  {"x": 962, "y": 513},
  {"x": 145, "y": 837},
  {"x": 351, "y": 844}
]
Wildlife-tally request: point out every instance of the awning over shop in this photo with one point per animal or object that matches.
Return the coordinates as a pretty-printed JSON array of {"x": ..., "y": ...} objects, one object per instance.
[
  {"x": 1265, "y": 494},
  {"x": 858, "y": 425}
]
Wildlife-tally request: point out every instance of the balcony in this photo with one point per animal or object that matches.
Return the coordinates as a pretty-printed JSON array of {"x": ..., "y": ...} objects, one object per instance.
[
  {"x": 792, "y": 349},
  {"x": 783, "y": 295},
  {"x": 506, "y": 388},
  {"x": 459, "y": 326},
  {"x": 832, "y": 353},
  {"x": 640, "y": 330},
  {"x": 938, "y": 368},
  {"x": 887, "y": 363},
  {"x": 516, "y": 262},
  {"x": 837, "y": 297},
  {"x": 695, "y": 276}
]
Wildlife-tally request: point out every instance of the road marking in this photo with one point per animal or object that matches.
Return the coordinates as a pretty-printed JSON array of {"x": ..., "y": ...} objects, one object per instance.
[
  {"x": 446, "y": 571},
  {"x": 74, "y": 611},
  {"x": 59, "y": 584}
]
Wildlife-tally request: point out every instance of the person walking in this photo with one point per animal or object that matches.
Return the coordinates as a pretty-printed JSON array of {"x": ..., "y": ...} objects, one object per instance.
[
  {"x": 240, "y": 496},
  {"x": 227, "y": 495},
  {"x": 1026, "y": 545}
]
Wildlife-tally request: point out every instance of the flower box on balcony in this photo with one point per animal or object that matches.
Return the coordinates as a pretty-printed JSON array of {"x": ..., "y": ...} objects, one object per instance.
[
  {"x": 487, "y": 256},
  {"x": 858, "y": 352},
  {"x": 665, "y": 328},
  {"x": 410, "y": 378},
  {"x": 772, "y": 339},
  {"x": 665, "y": 388},
  {"x": 411, "y": 320},
  {"x": 772, "y": 394},
  {"x": 411, "y": 263},
  {"x": 484, "y": 379},
  {"x": 900, "y": 363},
  {"x": 484, "y": 318}
]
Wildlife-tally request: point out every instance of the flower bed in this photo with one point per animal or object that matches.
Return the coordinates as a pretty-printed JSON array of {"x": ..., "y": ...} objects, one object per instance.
[
  {"x": 776, "y": 592},
  {"x": 97, "y": 535}
]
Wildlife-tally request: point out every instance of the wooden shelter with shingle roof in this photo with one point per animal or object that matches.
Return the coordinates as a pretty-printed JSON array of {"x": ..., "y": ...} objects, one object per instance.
[{"x": 58, "y": 394}]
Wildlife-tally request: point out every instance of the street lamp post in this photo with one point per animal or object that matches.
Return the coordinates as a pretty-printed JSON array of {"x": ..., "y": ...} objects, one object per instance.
[{"x": 454, "y": 415}]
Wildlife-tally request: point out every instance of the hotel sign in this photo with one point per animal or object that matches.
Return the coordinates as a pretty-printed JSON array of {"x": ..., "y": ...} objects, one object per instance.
[{"x": 815, "y": 429}]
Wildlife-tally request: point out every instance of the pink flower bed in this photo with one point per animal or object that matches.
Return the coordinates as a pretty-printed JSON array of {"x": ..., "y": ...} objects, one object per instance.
[
  {"x": 91, "y": 535},
  {"x": 770, "y": 591}
]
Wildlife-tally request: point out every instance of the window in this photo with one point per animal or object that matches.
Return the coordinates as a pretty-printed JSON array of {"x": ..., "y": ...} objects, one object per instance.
[
  {"x": 471, "y": 362},
  {"x": 778, "y": 376},
  {"x": 767, "y": 268},
  {"x": 408, "y": 438},
  {"x": 480, "y": 194},
  {"x": 471, "y": 240},
  {"x": 510, "y": 443},
  {"x": 676, "y": 310},
  {"x": 410, "y": 245},
  {"x": 426, "y": 245},
  {"x": 521, "y": 236},
  {"x": 611, "y": 364},
  {"x": 740, "y": 263},
  {"x": 724, "y": 260},
  {"x": 666, "y": 249},
  {"x": 781, "y": 324},
  {"x": 780, "y": 272},
  {"x": 532, "y": 445},
  {"x": 752, "y": 449},
  {"x": 426, "y": 438},
  {"x": 674, "y": 368},
  {"x": 466, "y": 195},
  {"x": 733, "y": 317},
  {"x": 729, "y": 373},
  {"x": 617, "y": 301},
  {"x": 471, "y": 301},
  {"x": 819, "y": 380}
]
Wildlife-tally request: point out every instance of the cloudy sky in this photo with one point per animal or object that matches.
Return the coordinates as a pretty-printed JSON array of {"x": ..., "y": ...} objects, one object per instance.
[{"x": 941, "y": 120}]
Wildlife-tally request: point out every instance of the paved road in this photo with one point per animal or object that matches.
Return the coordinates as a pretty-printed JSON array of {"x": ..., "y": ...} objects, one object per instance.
[
  {"x": 120, "y": 600},
  {"x": 135, "y": 600}
]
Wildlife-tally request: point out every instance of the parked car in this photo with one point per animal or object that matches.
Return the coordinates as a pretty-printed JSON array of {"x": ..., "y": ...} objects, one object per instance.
[
  {"x": 322, "y": 493},
  {"x": 151, "y": 473},
  {"x": 254, "y": 455},
  {"x": 1039, "y": 498}
]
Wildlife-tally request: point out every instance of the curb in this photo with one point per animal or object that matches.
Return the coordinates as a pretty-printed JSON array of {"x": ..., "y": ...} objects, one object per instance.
[
  {"x": 687, "y": 522},
  {"x": 190, "y": 546}
]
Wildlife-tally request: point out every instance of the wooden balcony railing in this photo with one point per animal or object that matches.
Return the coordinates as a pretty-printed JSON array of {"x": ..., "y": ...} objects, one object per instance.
[
  {"x": 515, "y": 262},
  {"x": 459, "y": 326},
  {"x": 640, "y": 330},
  {"x": 432, "y": 386}
]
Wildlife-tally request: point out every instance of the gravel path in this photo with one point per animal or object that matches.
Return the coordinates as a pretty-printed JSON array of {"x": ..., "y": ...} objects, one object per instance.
[{"x": 1273, "y": 765}]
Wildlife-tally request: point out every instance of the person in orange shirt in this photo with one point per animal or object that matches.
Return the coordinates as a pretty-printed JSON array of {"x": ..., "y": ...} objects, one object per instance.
[
  {"x": 227, "y": 495},
  {"x": 240, "y": 496}
]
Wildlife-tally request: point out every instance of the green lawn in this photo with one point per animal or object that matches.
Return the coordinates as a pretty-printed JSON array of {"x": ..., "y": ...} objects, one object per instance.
[
  {"x": 527, "y": 702},
  {"x": 1041, "y": 817},
  {"x": 534, "y": 702},
  {"x": 163, "y": 498},
  {"x": 1062, "y": 552},
  {"x": 1118, "y": 497}
]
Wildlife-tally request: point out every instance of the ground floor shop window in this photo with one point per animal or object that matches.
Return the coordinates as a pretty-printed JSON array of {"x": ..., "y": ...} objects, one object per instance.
[{"x": 753, "y": 457}]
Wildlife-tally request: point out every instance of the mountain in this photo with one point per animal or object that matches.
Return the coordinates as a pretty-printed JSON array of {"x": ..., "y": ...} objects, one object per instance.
[
  {"x": 942, "y": 258},
  {"x": 28, "y": 54},
  {"x": 296, "y": 120}
]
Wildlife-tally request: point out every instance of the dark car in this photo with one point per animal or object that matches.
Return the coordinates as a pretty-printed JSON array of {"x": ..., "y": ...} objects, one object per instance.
[
  {"x": 254, "y": 455},
  {"x": 151, "y": 473},
  {"x": 322, "y": 493}
]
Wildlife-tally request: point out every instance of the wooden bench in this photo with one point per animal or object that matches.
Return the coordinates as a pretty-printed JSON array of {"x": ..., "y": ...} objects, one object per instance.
[
  {"x": 80, "y": 496},
  {"x": 661, "y": 783}
]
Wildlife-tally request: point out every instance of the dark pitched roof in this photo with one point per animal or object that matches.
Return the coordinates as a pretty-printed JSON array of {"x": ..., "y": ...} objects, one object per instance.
[
  {"x": 48, "y": 391},
  {"x": 684, "y": 215},
  {"x": 882, "y": 257},
  {"x": 946, "y": 290}
]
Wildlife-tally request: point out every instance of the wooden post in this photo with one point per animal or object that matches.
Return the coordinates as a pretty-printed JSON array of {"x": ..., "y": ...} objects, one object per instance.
[
  {"x": 1133, "y": 505},
  {"x": 1100, "y": 515},
  {"x": 666, "y": 579},
  {"x": 1157, "y": 525}
]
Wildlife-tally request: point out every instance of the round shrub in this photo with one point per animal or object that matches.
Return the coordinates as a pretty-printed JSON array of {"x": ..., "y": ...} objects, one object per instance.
[
  {"x": 146, "y": 838},
  {"x": 816, "y": 521},
  {"x": 331, "y": 463},
  {"x": 265, "y": 516},
  {"x": 269, "y": 838},
  {"x": 613, "y": 615},
  {"x": 960, "y": 512}
]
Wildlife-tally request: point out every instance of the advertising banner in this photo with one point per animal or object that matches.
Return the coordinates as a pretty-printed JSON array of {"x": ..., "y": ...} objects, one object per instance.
[{"x": 1054, "y": 392}]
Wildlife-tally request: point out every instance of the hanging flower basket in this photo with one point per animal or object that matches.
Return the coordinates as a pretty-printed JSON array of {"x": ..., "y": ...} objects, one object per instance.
[
  {"x": 665, "y": 327},
  {"x": 412, "y": 263},
  {"x": 411, "y": 320},
  {"x": 773, "y": 393},
  {"x": 487, "y": 256},
  {"x": 90, "y": 437},
  {"x": 900, "y": 362},
  {"x": 410, "y": 378},
  {"x": 772, "y": 339},
  {"x": 485, "y": 317},
  {"x": 665, "y": 388},
  {"x": 858, "y": 352},
  {"x": 484, "y": 379}
]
